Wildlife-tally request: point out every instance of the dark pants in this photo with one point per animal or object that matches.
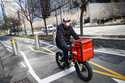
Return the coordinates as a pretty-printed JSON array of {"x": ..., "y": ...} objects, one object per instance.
[
  {"x": 65, "y": 52},
  {"x": 64, "y": 49}
]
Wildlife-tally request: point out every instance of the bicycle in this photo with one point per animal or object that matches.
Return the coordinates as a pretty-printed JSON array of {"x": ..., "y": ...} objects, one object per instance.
[{"x": 81, "y": 51}]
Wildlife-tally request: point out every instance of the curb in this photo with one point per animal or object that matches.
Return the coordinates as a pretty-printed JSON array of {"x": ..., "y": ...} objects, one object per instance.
[
  {"x": 85, "y": 26},
  {"x": 116, "y": 37}
]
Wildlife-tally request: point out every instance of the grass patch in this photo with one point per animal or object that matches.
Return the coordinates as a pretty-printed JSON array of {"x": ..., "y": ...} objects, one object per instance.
[
  {"x": 47, "y": 38},
  {"x": 2, "y": 33}
]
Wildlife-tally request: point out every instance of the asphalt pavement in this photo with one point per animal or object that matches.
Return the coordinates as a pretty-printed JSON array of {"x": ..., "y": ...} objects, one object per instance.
[
  {"x": 45, "y": 67},
  {"x": 108, "y": 63}
]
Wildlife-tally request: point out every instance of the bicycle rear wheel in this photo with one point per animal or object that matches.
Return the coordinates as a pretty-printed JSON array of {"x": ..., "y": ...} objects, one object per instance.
[{"x": 84, "y": 71}]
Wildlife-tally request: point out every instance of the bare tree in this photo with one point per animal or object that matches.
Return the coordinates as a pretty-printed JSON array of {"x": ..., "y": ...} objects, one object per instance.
[
  {"x": 26, "y": 11},
  {"x": 45, "y": 10},
  {"x": 83, "y": 10},
  {"x": 3, "y": 13}
]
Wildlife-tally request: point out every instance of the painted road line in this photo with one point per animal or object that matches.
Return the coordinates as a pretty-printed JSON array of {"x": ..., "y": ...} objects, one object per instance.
[
  {"x": 46, "y": 43},
  {"x": 72, "y": 69},
  {"x": 119, "y": 81},
  {"x": 51, "y": 47},
  {"x": 113, "y": 73},
  {"x": 39, "y": 51},
  {"x": 48, "y": 50},
  {"x": 57, "y": 75},
  {"x": 110, "y": 75},
  {"x": 31, "y": 71},
  {"x": 106, "y": 69}
]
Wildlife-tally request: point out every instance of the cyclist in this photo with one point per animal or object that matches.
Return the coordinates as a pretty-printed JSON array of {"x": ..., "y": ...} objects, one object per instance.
[{"x": 63, "y": 36}]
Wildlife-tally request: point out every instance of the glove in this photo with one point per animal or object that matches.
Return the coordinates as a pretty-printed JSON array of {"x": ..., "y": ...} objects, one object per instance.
[
  {"x": 68, "y": 48},
  {"x": 77, "y": 38}
]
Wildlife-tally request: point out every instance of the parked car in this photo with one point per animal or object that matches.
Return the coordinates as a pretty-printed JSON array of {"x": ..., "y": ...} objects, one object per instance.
[
  {"x": 50, "y": 28},
  {"x": 14, "y": 31}
]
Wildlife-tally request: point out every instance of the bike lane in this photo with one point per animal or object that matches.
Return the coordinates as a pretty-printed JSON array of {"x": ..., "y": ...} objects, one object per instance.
[
  {"x": 44, "y": 65},
  {"x": 99, "y": 75}
]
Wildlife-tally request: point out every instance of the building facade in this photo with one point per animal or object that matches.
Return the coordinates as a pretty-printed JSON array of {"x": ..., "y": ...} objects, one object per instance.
[{"x": 109, "y": 9}]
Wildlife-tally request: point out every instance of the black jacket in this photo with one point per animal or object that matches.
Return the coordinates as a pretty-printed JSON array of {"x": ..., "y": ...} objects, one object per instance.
[{"x": 63, "y": 36}]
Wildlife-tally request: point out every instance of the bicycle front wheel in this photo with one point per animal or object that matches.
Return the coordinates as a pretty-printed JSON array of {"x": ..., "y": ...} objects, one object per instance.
[{"x": 84, "y": 71}]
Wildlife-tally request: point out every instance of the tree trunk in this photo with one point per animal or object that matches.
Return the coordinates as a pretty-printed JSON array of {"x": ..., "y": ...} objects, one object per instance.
[
  {"x": 31, "y": 24},
  {"x": 17, "y": 28},
  {"x": 83, "y": 9},
  {"x": 4, "y": 15},
  {"x": 60, "y": 15},
  {"x": 44, "y": 19},
  {"x": 24, "y": 25},
  {"x": 56, "y": 16},
  {"x": 81, "y": 21}
]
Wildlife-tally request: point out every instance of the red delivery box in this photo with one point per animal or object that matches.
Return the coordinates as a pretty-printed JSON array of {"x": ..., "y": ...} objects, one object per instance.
[{"x": 82, "y": 49}]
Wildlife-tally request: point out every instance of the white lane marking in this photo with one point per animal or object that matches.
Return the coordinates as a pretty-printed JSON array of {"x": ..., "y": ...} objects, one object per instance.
[
  {"x": 109, "y": 52},
  {"x": 57, "y": 75},
  {"x": 51, "y": 52},
  {"x": 118, "y": 81},
  {"x": 46, "y": 43},
  {"x": 31, "y": 71},
  {"x": 66, "y": 72}
]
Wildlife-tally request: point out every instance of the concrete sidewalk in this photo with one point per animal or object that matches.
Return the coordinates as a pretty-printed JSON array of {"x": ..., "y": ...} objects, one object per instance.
[
  {"x": 12, "y": 69},
  {"x": 113, "y": 31}
]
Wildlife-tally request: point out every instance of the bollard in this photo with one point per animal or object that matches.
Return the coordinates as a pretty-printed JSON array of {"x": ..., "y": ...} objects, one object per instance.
[
  {"x": 37, "y": 41},
  {"x": 14, "y": 46}
]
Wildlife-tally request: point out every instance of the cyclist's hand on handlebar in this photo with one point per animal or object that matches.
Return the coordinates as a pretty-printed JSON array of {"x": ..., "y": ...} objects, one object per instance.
[
  {"x": 77, "y": 37},
  {"x": 69, "y": 48}
]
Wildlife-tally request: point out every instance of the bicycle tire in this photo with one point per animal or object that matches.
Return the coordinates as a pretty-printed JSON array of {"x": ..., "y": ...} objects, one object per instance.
[
  {"x": 80, "y": 73},
  {"x": 60, "y": 63}
]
